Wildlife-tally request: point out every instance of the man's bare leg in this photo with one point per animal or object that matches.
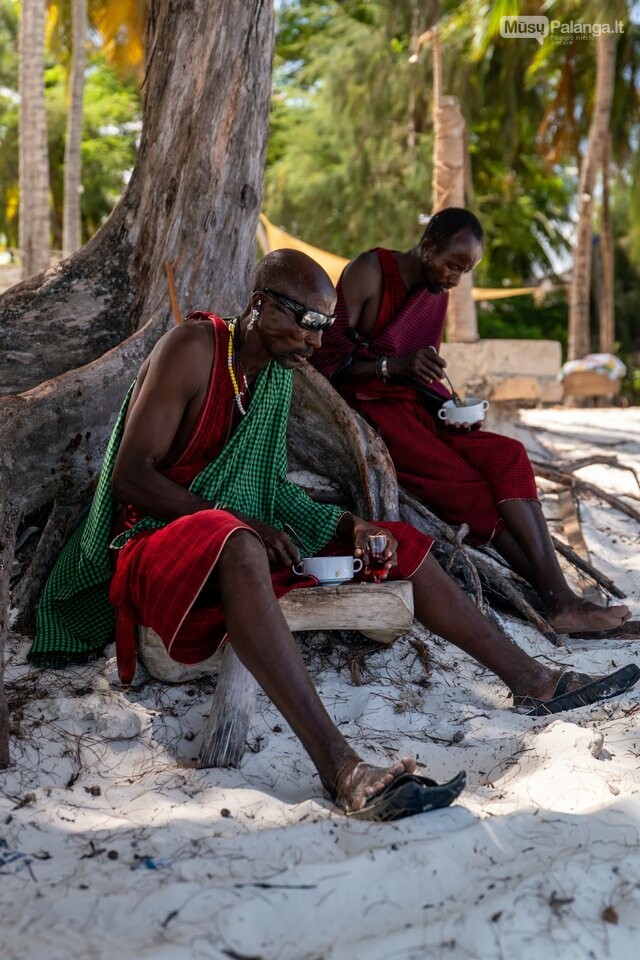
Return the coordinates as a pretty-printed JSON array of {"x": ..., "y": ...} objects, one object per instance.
[
  {"x": 527, "y": 546},
  {"x": 262, "y": 640},
  {"x": 446, "y": 610}
]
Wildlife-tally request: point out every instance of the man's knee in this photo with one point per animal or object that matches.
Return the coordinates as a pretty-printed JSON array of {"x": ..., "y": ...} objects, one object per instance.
[{"x": 244, "y": 554}]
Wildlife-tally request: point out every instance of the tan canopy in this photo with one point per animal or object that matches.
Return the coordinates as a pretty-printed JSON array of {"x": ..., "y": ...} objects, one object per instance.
[{"x": 271, "y": 237}]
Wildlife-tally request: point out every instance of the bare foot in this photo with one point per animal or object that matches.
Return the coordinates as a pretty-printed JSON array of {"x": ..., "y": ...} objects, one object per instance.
[
  {"x": 582, "y": 615},
  {"x": 547, "y": 690},
  {"x": 357, "y": 781}
]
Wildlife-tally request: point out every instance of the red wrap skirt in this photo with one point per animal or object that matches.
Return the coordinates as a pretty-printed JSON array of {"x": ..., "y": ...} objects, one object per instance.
[
  {"x": 461, "y": 475},
  {"x": 159, "y": 576}
]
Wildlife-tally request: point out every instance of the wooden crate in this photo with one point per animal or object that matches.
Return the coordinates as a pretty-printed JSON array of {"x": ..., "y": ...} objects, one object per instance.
[{"x": 588, "y": 383}]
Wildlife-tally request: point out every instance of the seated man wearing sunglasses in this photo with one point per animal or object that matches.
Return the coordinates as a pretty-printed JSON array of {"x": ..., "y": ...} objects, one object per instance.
[{"x": 197, "y": 464}]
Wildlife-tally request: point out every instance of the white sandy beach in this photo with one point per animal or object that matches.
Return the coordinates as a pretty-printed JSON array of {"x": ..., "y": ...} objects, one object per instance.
[{"x": 113, "y": 846}]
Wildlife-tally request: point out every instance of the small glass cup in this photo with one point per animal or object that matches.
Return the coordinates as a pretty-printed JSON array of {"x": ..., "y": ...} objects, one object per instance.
[{"x": 377, "y": 546}]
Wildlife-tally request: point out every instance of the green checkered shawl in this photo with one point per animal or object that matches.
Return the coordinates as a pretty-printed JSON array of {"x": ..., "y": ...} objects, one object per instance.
[{"x": 75, "y": 619}]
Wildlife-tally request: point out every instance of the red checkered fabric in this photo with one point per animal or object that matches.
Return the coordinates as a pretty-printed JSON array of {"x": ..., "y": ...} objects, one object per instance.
[{"x": 461, "y": 476}]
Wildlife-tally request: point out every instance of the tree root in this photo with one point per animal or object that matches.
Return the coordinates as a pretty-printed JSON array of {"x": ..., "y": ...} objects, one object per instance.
[
  {"x": 60, "y": 524},
  {"x": 9, "y": 519}
]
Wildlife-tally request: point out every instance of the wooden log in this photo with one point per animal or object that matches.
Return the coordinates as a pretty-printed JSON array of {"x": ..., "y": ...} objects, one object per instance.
[
  {"x": 225, "y": 732},
  {"x": 160, "y": 666},
  {"x": 382, "y": 611}
]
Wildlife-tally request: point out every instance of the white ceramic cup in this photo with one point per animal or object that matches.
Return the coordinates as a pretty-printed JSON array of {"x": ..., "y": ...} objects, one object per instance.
[
  {"x": 328, "y": 569},
  {"x": 472, "y": 412}
]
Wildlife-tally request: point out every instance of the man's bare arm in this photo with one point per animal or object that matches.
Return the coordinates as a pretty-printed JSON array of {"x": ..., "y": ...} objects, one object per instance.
[
  {"x": 176, "y": 378},
  {"x": 362, "y": 285},
  {"x": 166, "y": 407}
]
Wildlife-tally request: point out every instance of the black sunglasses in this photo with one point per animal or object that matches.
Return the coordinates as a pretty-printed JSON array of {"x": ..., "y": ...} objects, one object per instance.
[{"x": 308, "y": 319}]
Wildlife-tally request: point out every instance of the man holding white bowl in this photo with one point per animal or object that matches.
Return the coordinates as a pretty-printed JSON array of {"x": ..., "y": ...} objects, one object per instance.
[{"x": 382, "y": 355}]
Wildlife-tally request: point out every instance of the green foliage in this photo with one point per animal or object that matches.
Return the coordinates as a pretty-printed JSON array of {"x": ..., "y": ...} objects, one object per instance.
[
  {"x": 523, "y": 318},
  {"x": 112, "y": 118},
  {"x": 340, "y": 171}
]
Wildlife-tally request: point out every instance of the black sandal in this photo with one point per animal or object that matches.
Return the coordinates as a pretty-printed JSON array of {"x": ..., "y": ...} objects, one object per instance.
[
  {"x": 591, "y": 691},
  {"x": 408, "y": 795}
]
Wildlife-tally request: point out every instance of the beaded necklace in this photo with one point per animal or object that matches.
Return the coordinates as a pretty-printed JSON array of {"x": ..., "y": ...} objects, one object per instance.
[{"x": 237, "y": 395}]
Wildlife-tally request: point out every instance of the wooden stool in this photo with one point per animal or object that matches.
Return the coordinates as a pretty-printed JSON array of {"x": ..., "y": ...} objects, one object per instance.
[{"x": 381, "y": 611}]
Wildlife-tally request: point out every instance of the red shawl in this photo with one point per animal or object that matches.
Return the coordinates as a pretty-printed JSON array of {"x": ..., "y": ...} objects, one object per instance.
[{"x": 405, "y": 323}]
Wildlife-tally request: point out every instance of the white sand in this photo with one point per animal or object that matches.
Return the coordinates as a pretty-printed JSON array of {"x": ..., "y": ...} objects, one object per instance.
[{"x": 131, "y": 852}]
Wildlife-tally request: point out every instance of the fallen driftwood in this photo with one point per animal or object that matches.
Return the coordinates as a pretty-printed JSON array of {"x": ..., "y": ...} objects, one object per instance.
[
  {"x": 605, "y": 582},
  {"x": 564, "y": 476}
]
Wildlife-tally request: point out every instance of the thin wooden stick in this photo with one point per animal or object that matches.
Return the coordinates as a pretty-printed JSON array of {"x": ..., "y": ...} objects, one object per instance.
[
  {"x": 583, "y": 486},
  {"x": 175, "y": 306},
  {"x": 588, "y": 568}
]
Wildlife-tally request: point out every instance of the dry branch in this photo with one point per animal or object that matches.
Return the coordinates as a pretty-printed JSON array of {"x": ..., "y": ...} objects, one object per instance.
[
  {"x": 588, "y": 568},
  {"x": 565, "y": 478}
]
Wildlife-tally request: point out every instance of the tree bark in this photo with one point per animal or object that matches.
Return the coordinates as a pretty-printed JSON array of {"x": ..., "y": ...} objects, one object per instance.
[
  {"x": 449, "y": 173},
  {"x": 8, "y": 529},
  {"x": 194, "y": 198},
  {"x": 34, "y": 221},
  {"x": 607, "y": 294},
  {"x": 72, "y": 338},
  {"x": 71, "y": 216},
  {"x": 579, "y": 320}
]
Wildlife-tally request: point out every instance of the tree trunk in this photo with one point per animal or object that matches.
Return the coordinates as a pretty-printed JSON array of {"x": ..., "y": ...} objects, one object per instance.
[
  {"x": 34, "y": 222},
  {"x": 71, "y": 218},
  {"x": 579, "y": 320},
  {"x": 449, "y": 170},
  {"x": 607, "y": 293},
  {"x": 194, "y": 198}
]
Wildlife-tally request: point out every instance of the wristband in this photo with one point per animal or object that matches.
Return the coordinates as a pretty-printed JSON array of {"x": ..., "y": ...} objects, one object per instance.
[{"x": 382, "y": 368}]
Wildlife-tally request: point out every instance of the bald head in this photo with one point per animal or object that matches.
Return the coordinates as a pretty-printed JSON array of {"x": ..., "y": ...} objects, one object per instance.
[{"x": 293, "y": 273}]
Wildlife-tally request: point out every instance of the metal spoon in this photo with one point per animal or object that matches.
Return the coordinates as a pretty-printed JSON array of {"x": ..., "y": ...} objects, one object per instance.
[
  {"x": 294, "y": 536},
  {"x": 457, "y": 399}
]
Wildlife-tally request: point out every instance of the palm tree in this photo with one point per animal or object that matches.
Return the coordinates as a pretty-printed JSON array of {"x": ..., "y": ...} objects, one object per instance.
[
  {"x": 71, "y": 221},
  {"x": 579, "y": 291},
  {"x": 448, "y": 188},
  {"x": 121, "y": 26},
  {"x": 34, "y": 229}
]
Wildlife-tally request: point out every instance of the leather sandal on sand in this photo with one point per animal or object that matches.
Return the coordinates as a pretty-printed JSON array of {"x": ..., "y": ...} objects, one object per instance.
[
  {"x": 408, "y": 795},
  {"x": 591, "y": 690}
]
